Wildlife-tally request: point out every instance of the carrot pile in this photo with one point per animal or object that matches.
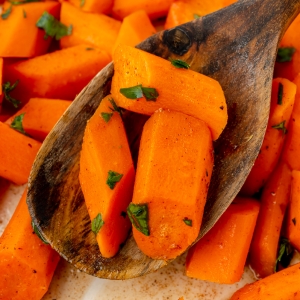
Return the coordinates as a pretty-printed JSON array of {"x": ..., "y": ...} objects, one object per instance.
[{"x": 152, "y": 178}]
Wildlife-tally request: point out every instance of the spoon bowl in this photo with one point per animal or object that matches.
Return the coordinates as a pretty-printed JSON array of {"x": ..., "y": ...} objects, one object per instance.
[{"x": 236, "y": 46}]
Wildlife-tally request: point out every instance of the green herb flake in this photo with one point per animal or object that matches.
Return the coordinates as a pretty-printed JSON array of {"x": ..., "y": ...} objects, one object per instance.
[
  {"x": 188, "y": 222},
  {"x": 23, "y": 2},
  {"x": 180, "y": 64},
  {"x": 17, "y": 123},
  {"x": 6, "y": 13},
  {"x": 281, "y": 126},
  {"x": 24, "y": 14},
  {"x": 53, "y": 27},
  {"x": 294, "y": 221},
  {"x": 138, "y": 91},
  {"x": 197, "y": 16},
  {"x": 285, "y": 254},
  {"x": 7, "y": 88},
  {"x": 37, "y": 232},
  {"x": 82, "y": 2},
  {"x": 113, "y": 178},
  {"x": 115, "y": 107},
  {"x": 97, "y": 223},
  {"x": 285, "y": 54},
  {"x": 138, "y": 215},
  {"x": 106, "y": 116},
  {"x": 280, "y": 94}
]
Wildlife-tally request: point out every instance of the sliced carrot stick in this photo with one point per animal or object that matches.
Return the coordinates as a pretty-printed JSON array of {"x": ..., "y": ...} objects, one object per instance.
[
  {"x": 220, "y": 256},
  {"x": 17, "y": 153},
  {"x": 293, "y": 218},
  {"x": 27, "y": 264},
  {"x": 206, "y": 102},
  {"x": 96, "y": 30},
  {"x": 39, "y": 116},
  {"x": 59, "y": 75},
  {"x": 107, "y": 177},
  {"x": 274, "y": 200},
  {"x": 282, "y": 102},
  {"x": 154, "y": 8},
  {"x": 19, "y": 35},
  {"x": 134, "y": 29},
  {"x": 291, "y": 146},
  {"x": 173, "y": 174},
  {"x": 283, "y": 285},
  {"x": 94, "y": 6}
]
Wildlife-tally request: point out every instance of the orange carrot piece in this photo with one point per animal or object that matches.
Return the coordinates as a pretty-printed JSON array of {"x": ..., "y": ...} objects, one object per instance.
[
  {"x": 293, "y": 218},
  {"x": 283, "y": 91},
  {"x": 27, "y": 264},
  {"x": 96, "y": 30},
  {"x": 206, "y": 102},
  {"x": 105, "y": 149},
  {"x": 59, "y": 75},
  {"x": 17, "y": 153},
  {"x": 220, "y": 256},
  {"x": 40, "y": 116},
  {"x": 274, "y": 200},
  {"x": 19, "y": 35},
  {"x": 291, "y": 146},
  {"x": 283, "y": 285},
  {"x": 154, "y": 8},
  {"x": 94, "y": 6},
  {"x": 134, "y": 29},
  {"x": 172, "y": 179},
  {"x": 1, "y": 91}
]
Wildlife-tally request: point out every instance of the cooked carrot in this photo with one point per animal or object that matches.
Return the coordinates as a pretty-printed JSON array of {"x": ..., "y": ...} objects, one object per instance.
[
  {"x": 293, "y": 216},
  {"x": 1, "y": 91},
  {"x": 291, "y": 40},
  {"x": 282, "y": 102},
  {"x": 59, "y": 75},
  {"x": 135, "y": 28},
  {"x": 274, "y": 200},
  {"x": 283, "y": 285},
  {"x": 39, "y": 116},
  {"x": 94, "y": 6},
  {"x": 220, "y": 256},
  {"x": 107, "y": 177},
  {"x": 27, "y": 264},
  {"x": 17, "y": 153},
  {"x": 19, "y": 35},
  {"x": 291, "y": 146},
  {"x": 173, "y": 174},
  {"x": 206, "y": 102},
  {"x": 154, "y": 8},
  {"x": 96, "y": 30}
]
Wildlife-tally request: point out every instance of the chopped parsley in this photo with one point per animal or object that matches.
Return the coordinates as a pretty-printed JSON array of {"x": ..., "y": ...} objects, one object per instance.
[
  {"x": 188, "y": 222},
  {"x": 138, "y": 91},
  {"x": 281, "y": 126},
  {"x": 37, "y": 232},
  {"x": 6, "y": 13},
  {"x": 17, "y": 123},
  {"x": 285, "y": 254},
  {"x": 280, "y": 94},
  {"x": 97, "y": 223},
  {"x": 106, "y": 116},
  {"x": 113, "y": 178},
  {"x": 7, "y": 88},
  {"x": 180, "y": 64},
  {"x": 285, "y": 54},
  {"x": 138, "y": 215}
]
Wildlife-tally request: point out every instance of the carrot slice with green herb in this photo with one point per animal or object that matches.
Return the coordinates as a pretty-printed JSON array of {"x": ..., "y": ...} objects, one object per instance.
[
  {"x": 107, "y": 177},
  {"x": 173, "y": 174},
  {"x": 220, "y": 256}
]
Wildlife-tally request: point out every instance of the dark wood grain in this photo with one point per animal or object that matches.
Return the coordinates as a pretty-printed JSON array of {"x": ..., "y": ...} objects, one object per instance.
[{"x": 237, "y": 46}]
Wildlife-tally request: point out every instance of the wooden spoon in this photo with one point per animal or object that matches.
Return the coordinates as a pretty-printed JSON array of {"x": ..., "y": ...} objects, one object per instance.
[{"x": 237, "y": 46}]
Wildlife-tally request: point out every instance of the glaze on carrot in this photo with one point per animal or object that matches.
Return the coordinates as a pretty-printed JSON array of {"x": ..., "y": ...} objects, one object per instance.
[
  {"x": 19, "y": 35},
  {"x": 220, "y": 256},
  {"x": 107, "y": 177},
  {"x": 282, "y": 102},
  {"x": 94, "y": 6},
  {"x": 173, "y": 174},
  {"x": 274, "y": 200},
  {"x": 206, "y": 103},
  {"x": 27, "y": 264},
  {"x": 17, "y": 153}
]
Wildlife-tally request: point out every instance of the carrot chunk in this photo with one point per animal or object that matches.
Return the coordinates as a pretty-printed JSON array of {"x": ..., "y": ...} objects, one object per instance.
[
  {"x": 47, "y": 77},
  {"x": 1, "y": 75},
  {"x": 17, "y": 153},
  {"x": 94, "y": 6},
  {"x": 220, "y": 256},
  {"x": 274, "y": 200},
  {"x": 279, "y": 286},
  {"x": 107, "y": 177},
  {"x": 282, "y": 102},
  {"x": 19, "y": 35},
  {"x": 173, "y": 174},
  {"x": 195, "y": 94},
  {"x": 38, "y": 116},
  {"x": 96, "y": 30},
  {"x": 27, "y": 264}
]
